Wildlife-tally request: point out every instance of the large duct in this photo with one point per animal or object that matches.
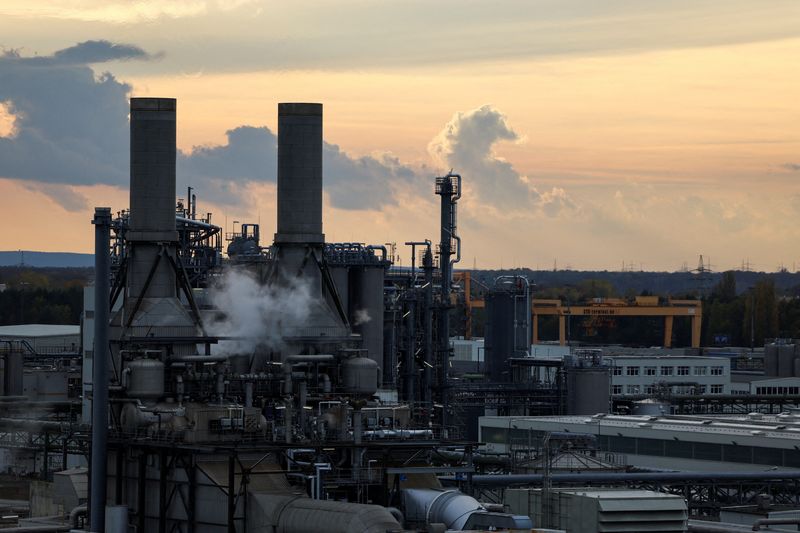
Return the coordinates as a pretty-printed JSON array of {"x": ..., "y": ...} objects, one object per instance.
[{"x": 286, "y": 513}]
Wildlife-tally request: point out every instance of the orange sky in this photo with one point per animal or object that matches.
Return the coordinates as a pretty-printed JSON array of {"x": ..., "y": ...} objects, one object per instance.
[{"x": 661, "y": 144}]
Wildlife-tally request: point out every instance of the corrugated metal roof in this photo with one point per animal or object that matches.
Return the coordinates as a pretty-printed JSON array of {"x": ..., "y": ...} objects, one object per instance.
[
  {"x": 39, "y": 330},
  {"x": 782, "y": 426}
]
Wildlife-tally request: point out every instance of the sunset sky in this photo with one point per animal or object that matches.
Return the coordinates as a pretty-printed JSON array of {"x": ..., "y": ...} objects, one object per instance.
[{"x": 589, "y": 133}]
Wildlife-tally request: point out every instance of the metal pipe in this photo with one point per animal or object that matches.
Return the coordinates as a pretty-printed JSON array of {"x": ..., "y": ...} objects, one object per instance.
[
  {"x": 378, "y": 247},
  {"x": 99, "y": 458},
  {"x": 196, "y": 223},
  {"x": 774, "y": 521},
  {"x": 38, "y": 529},
  {"x": 623, "y": 477},
  {"x": 695, "y": 526},
  {"x": 316, "y": 358},
  {"x": 198, "y": 358}
]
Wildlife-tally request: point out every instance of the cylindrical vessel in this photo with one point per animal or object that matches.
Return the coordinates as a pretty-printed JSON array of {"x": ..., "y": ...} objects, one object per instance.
[
  {"x": 153, "y": 151},
  {"x": 366, "y": 289},
  {"x": 771, "y": 360},
  {"x": 299, "y": 173},
  {"x": 146, "y": 379},
  {"x": 785, "y": 360},
  {"x": 360, "y": 376},
  {"x": 117, "y": 519},
  {"x": 13, "y": 373}
]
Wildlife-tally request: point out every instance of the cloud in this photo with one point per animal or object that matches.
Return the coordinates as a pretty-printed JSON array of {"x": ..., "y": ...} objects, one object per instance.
[
  {"x": 64, "y": 195},
  {"x": 795, "y": 167},
  {"x": 116, "y": 12},
  {"x": 70, "y": 126},
  {"x": 250, "y": 155},
  {"x": 98, "y": 52},
  {"x": 466, "y": 144}
]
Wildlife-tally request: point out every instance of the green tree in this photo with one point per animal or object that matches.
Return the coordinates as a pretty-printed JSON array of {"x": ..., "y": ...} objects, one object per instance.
[{"x": 761, "y": 313}]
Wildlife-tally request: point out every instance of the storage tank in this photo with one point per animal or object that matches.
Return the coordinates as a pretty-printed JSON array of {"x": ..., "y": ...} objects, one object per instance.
[
  {"x": 145, "y": 379},
  {"x": 339, "y": 277},
  {"x": 366, "y": 308},
  {"x": 360, "y": 376},
  {"x": 13, "y": 373},
  {"x": 771, "y": 360},
  {"x": 508, "y": 325},
  {"x": 785, "y": 360},
  {"x": 588, "y": 390},
  {"x": 797, "y": 360}
]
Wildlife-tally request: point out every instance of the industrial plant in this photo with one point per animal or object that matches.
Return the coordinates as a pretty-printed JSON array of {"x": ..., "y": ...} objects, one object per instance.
[{"x": 235, "y": 382}]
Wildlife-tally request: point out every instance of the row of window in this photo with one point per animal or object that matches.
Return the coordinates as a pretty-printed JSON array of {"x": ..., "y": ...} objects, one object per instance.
[
  {"x": 777, "y": 390},
  {"x": 651, "y": 389},
  {"x": 704, "y": 451},
  {"x": 680, "y": 370}
]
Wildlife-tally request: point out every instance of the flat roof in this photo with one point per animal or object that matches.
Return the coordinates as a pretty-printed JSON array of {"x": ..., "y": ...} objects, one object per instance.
[
  {"x": 783, "y": 426},
  {"x": 668, "y": 356},
  {"x": 39, "y": 330}
]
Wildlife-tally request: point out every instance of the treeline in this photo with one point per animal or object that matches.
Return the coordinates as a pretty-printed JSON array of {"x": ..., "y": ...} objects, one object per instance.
[
  {"x": 766, "y": 308},
  {"x": 758, "y": 314},
  {"x": 42, "y": 295}
]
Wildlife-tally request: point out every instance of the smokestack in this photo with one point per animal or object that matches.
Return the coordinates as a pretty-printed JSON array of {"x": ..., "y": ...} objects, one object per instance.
[
  {"x": 153, "y": 169},
  {"x": 299, "y": 174},
  {"x": 152, "y": 195}
]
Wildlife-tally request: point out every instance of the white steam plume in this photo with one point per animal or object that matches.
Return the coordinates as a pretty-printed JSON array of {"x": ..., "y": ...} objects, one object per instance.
[
  {"x": 256, "y": 314},
  {"x": 361, "y": 317}
]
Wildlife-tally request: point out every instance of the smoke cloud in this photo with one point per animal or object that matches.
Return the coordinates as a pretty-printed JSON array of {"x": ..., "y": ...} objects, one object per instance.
[{"x": 256, "y": 314}]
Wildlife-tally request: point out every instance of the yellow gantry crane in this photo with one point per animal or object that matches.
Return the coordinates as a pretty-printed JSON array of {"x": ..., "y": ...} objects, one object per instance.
[{"x": 600, "y": 307}]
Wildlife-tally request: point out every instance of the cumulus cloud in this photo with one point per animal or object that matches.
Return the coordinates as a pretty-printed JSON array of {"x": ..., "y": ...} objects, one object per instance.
[
  {"x": 250, "y": 155},
  {"x": 64, "y": 126},
  {"x": 467, "y": 142},
  {"x": 70, "y": 126}
]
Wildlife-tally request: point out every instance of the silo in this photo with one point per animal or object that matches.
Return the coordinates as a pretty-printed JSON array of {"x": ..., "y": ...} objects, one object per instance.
[
  {"x": 771, "y": 360},
  {"x": 588, "y": 390},
  {"x": 508, "y": 324},
  {"x": 366, "y": 308},
  {"x": 499, "y": 334},
  {"x": 13, "y": 373},
  {"x": 785, "y": 360},
  {"x": 797, "y": 360},
  {"x": 339, "y": 277}
]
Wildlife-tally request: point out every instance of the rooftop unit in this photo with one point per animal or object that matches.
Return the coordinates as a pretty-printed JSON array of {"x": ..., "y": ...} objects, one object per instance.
[{"x": 593, "y": 511}]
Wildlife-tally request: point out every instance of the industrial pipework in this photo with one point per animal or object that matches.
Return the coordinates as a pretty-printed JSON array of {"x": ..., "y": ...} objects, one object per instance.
[
  {"x": 102, "y": 228},
  {"x": 449, "y": 188}
]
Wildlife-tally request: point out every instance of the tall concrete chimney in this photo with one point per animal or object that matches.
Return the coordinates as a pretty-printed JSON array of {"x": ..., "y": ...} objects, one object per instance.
[
  {"x": 151, "y": 297},
  {"x": 152, "y": 196},
  {"x": 299, "y": 174}
]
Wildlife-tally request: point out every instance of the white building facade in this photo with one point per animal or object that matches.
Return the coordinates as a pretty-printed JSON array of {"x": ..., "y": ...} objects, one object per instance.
[{"x": 636, "y": 375}]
